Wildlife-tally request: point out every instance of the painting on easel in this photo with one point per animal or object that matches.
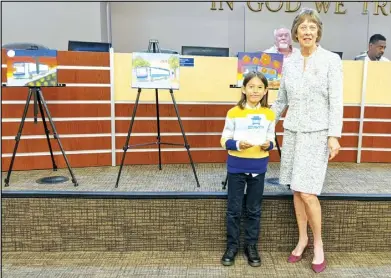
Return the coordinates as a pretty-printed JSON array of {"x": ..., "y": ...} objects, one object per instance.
[
  {"x": 31, "y": 68},
  {"x": 269, "y": 64},
  {"x": 155, "y": 71}
]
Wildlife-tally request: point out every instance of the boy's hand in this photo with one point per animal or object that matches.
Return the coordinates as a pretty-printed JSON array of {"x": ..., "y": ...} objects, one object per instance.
[
  {"x": 243, "y": 145},
  {"x": 265, "y": 145}
]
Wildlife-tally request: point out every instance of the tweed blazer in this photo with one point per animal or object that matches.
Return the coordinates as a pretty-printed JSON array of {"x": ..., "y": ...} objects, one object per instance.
[{"x": 314, "y": 95}]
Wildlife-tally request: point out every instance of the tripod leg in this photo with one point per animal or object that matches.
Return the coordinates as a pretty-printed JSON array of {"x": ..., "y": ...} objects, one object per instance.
[
  {"x": 158, "y": 128},
  {"x": 224, "y": 183},
  {"x": 125, "y": 148},
  {"x": 35, "y": 105},
  {"x": 55, "y": 135},
  {"x": 277, "y": 145},
  {"x": 184, "y": 137},
  {"x": 17, "y": 137},
  {"x": 47, "y": 132}
]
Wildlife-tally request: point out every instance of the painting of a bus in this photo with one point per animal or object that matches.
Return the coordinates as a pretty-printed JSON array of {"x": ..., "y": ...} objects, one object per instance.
[
  {"x": 31, "y": 67},
  {"x": 155, "y": 71},
  {"x": 151, "y": 74}
]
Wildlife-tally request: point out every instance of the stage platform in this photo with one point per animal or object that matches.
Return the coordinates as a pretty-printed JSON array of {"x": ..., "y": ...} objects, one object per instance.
[
  {"x": 159, "y": 224},
  {"x": 343, "y": 179}
]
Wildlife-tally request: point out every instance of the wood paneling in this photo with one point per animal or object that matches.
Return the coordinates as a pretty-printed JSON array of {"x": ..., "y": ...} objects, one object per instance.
[
  {"x": 76, "y": 58},
  {"x": 348, "y": 127},
  {"x": 83, "y": 76},
  {"x": 3, "y": 56},
  {"x": 206, "y": 141},
  {"x": 195, "y": 141},
  {"x": 377, "y": 127},
  {"x": 377, "y": 112},
  {"x": 195, "y": 110},
  {"x": 69, "y": 144},
  {"x": 349, "y": 141},
  {"x": 61, "y": 93},
  {"x": 59, "y": 110},
  {"x": 345, "y": 156},
  {"x": 173, "y": 157},
  {"x": 167, "y": 110},
  {"x": 3, "y": 75},
  {"x": 122, "y": 126},
  {"x": 351, "y": 112},
  {"x": 70, "y": 127},
  {"x": 376, "y": 142},
  {"x": 45, "y": 162},
  {"x": 376, "y": 156},
  {"x": 204, "y": 157}
]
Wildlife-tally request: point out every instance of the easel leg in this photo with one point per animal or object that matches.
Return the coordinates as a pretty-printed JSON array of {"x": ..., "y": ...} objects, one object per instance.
[
  {"x": 225, "y": 182},
  {"x": 184, "y": 136},
  {"x": 17, "y": 138},
  {"x": 126, "y": 146},
  {"x": 42, "y": 100},
  {"x": 277, "y": 145},
  {"x": 35, "y": 104},
  {"x": 47, "y": 132},
  {"x": 158, "y": 127}
]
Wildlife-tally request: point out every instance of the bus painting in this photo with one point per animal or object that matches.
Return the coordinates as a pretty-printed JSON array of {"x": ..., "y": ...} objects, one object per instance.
[{"x": 152, "y": 73}]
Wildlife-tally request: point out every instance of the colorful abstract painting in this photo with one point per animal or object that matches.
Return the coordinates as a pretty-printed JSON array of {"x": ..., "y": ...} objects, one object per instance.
[
  {"x": 270, "y": 64},
  {"x": 31, "y": 68},
  {"x": 155, "y": 71}
]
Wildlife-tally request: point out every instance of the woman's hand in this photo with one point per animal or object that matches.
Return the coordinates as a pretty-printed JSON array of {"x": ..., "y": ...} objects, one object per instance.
[
  {"x": 265, "y": 145},
  {"x": 243, "y": 145},
  {"x": 334, "y": 147}
]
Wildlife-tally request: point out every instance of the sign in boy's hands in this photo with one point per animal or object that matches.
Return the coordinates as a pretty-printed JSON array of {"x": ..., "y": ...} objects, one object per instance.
[
  {"x": 243, "y": 145},
  {"x": 265, "y": 145}
]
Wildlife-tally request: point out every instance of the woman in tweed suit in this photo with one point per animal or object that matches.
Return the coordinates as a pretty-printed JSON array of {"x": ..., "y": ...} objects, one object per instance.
[{"x": 311, "y": 85}]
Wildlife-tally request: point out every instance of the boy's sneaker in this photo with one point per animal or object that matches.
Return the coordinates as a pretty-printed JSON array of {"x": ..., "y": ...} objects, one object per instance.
[
  {"x": 229, "y": 256},
  {"x": 252, "y": 255}
]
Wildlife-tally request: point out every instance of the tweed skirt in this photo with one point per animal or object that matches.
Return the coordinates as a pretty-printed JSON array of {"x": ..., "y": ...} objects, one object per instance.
[{"x": 304, "y": 160}]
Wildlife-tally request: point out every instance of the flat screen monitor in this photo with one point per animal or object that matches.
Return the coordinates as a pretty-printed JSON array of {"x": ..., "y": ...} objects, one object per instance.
[
  {"x": 339, "y": 53},
  {"x": 89, "y": 46},
  {"x": 205, "y": 51}
]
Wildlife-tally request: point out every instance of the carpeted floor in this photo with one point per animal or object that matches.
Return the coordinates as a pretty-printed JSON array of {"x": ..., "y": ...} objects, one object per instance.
[
  {"x": 186, "y": 264},
  {"x": 341, "y": 178}
]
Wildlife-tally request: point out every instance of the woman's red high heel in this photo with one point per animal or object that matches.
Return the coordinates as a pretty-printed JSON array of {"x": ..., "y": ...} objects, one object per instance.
[
  {"x": 294, "y": 259},
  {"x": 317, "y": 268}
]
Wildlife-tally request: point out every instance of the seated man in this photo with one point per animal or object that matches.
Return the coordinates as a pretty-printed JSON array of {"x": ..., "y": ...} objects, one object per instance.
[
  {"x": 377, "y": 46},
  {"x": 282, "y": 43}
]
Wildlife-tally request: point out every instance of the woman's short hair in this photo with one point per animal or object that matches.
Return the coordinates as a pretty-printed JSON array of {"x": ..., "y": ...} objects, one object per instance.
[{"x": 310, "y": 15}]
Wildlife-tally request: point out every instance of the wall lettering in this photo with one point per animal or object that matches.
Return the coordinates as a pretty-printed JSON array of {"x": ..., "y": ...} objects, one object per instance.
[{"x": 323, "y": 7}]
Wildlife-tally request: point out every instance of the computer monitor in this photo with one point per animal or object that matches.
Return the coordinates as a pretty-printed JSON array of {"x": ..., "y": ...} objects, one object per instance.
[
  {"x": 339, "y": 53},
  {"x": 205, "y": 51},
  {"x": 89, "y": 46}
]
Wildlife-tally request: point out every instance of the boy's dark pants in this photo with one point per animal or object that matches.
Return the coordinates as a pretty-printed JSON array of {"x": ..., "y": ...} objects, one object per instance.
[{"x": 236, "y": 185}]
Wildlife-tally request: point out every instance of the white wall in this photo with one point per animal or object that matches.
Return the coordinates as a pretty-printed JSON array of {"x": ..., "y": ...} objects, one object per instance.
[
  {"x": 52, "y": 24},
  {"x": 177, "y": 24}
]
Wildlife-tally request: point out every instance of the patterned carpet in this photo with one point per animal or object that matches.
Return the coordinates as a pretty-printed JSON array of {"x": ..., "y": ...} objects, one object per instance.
[
  {"x": 341, "y": 178},
  {"x": 186, "y": 264}
]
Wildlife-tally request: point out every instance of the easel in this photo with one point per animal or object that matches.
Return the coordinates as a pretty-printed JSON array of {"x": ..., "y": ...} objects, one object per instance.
[
  {"x": 154, "y": 48},
  {"x": 39, "y": 101}
]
